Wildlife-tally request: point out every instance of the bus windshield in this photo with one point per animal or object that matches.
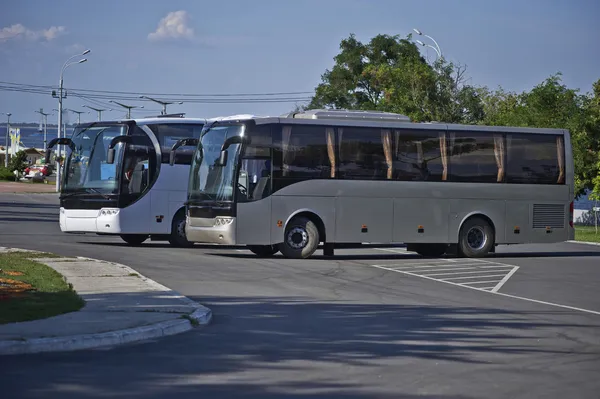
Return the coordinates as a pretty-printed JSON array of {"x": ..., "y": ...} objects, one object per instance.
[
  {"x": 207, "y": 180},
  {"x": 86, "y": 167}
]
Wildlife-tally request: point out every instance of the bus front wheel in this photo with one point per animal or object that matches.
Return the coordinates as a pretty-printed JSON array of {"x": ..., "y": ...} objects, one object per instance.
[
  {"x": 263, "y": 250},
  {"x": 134, "y": 239},
  {"x": 178, "y": 237},
  {"x": 301, "y": 238},
  {"x": 476, "y": 238}
]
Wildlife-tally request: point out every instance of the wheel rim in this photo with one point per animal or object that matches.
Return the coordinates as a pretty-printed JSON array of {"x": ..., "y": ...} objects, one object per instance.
[
  {"x": 297, "y": 238},
  {"x": 476, "y": 238}
]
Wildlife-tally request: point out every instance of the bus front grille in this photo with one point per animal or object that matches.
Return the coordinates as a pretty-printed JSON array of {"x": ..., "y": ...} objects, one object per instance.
[{"x": 548, "y": 215}]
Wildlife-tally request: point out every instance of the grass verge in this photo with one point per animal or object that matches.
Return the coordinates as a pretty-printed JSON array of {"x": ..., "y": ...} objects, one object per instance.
[
  {"x": 30, "y": 290},
  {"x": 587, "y": 233}
]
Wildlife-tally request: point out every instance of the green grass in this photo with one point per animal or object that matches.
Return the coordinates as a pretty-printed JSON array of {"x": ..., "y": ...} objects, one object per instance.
[
  {"x": 51, "y": 294},
  {"x": 587, "y": 233}
]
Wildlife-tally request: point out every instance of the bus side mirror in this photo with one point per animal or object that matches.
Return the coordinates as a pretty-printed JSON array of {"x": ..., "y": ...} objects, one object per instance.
[
  {"x": 60, "y": 141},
  {"x": 222, "y": 161},
  {"x": 181, "y": 143},
  {"x": 110, "y": 154}
]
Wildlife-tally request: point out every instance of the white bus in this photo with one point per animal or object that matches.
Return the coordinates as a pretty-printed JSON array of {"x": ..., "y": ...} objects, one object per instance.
[
  {"x": 118, "y": 178},
  {"x": 337, "y": 177}
]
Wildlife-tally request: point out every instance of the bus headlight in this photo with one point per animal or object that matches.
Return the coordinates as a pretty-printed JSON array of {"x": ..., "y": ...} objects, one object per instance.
[
  {"x": 108, "y": 211},
  {"x": 222, "y": 220}
]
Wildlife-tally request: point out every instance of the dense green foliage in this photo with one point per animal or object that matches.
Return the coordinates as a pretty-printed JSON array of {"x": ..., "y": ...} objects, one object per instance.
[{"x": 389, "y": 74}]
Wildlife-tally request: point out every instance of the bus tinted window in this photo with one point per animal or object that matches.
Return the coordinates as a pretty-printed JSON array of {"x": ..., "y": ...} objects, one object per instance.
[
  {"x": 472, "y": 157},
  {"x": 167, "y": 134},
  {"x": 361, "y": 153},
  {"x": 301, "y": 152},
  {"x": 535, "y": 159},
  {"x": 417, "y": 155}
]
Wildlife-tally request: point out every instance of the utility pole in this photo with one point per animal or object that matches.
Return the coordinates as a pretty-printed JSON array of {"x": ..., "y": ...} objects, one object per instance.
[
  {"x": 45, "y": 117},
  {"x": 78, "y": 115},
  {"x": 128, "y": 107},
  {"x": 8, "y": 114},
  {"x": 60, "y": 96},
  {"x": 98, "y": 110},
  {"x": 163, "y": 103}
]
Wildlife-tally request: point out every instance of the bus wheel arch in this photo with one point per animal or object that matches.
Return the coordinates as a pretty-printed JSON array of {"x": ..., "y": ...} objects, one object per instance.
[
  {"x": 303, "y": 232},
  {"x": 177, "y": 237},
  {"x": 476, "y": 236}
]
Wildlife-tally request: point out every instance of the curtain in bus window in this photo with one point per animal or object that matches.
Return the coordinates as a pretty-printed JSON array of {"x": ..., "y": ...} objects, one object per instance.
[
  {"x": 473, "y": 158},
  {"x": 444, "y": 155},
  {"x": 499, "y": 154},
  {"x": 533, "y": 159},
  {"x": 361, "y": 154},
  {"x": 560, "y": 152},
  {"x": 331, "y": 148},
  {"x": 386, "y": 138},
  {"x": 286, "y": 135}
]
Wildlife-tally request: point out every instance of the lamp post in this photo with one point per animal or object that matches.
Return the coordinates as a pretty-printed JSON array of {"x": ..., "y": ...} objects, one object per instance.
[
  {"x": 163, "y": 103},
  {"x": 128, "y": 107},
  {"x": 45, "y": 118},
  {"x": 8, "y": 114},
  {"x": 439, "y": 50},
  {"x": 67, "y": 64},
  {"x": 429, "y": 45},
  {"x": 98, "y": 110},
  {"x": 78, "y": 114}
]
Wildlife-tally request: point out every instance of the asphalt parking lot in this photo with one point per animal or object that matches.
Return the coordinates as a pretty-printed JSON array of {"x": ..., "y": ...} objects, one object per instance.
[{"x": 367, "y": 323}]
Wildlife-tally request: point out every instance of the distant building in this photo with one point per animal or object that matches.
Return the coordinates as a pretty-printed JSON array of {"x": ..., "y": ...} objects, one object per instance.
[{"x": 583, "y": 213}]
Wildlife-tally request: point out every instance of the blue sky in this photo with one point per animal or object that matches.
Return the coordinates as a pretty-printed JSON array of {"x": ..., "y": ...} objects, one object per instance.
[{"x": 263, "y": 46}]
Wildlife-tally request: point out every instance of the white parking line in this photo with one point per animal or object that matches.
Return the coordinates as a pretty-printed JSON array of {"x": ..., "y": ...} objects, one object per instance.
[
  {"x": 464, "y": 272},
  {"x": 424, "y": 268}
]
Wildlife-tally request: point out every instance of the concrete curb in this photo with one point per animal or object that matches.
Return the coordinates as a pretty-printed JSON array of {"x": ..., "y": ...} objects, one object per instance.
[
  {"x": 584, "y": 242},
  {"x": 200, "y": 316}
]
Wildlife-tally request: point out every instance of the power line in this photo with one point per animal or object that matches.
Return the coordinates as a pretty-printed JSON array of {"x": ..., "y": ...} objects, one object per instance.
[
  {"x": 166, "y": 94},
  {"x": 188, "y": 100}
]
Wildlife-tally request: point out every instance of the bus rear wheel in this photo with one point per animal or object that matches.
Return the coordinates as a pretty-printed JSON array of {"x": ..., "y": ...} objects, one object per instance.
[
  {"x": 134, "y": 239},
  {"x": 301, "y": 238},
  {"x": 178, "y": 237},
  {"x": 263, "y": 251},
  {"x": 476, "y": 238}
]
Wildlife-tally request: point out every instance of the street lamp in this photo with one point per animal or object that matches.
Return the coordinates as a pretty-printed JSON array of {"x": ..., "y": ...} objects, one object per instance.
[
  {"x": 78, "y": 114},
  {"x": 128, "y": 107},
  {"x": 8, "y": 114},
  {"x": 98, "y": 110},
  {"x": 438, "y": 50},
  {"x": 429, "y": 45},
  {"x": 67, "y": 64},
  {"x": 163, "y": 103}
]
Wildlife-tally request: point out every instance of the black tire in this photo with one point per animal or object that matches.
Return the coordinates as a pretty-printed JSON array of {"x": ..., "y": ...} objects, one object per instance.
[
  {"x": 263, "y": 251},
  {"x": 177, "y": 238},
  {"x": 476, "y": 238},
  {"x": 431, "y": 250},
  {"x": 301, "y": 239},
  {"x": 134, "y": 239}
]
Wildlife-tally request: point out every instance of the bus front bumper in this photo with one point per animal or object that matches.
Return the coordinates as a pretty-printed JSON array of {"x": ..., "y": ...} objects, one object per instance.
[
  {"x": 219, "y": 230},
  {"x": 104, "y": 220}
]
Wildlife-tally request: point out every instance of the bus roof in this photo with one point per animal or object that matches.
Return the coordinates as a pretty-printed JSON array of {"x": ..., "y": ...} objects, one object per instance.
[
  {"x": 375, "y": 119},
  {"x": 150, "y": 121}
]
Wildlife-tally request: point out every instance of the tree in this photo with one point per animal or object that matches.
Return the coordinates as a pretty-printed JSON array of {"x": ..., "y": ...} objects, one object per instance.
[
  {"x": 592, "y": 133},
  {"x": 389, "y": 74},
  {"x": 17, "y": 162}
]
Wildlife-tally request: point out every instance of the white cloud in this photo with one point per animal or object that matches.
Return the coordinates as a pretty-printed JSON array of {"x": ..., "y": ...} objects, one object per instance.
[
  {"x": 18, "y": 31},
  {"x": 173, "y": 26}
]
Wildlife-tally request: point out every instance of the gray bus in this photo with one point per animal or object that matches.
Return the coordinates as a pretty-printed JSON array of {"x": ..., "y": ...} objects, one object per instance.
[{"x": 338, "y": 177}]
